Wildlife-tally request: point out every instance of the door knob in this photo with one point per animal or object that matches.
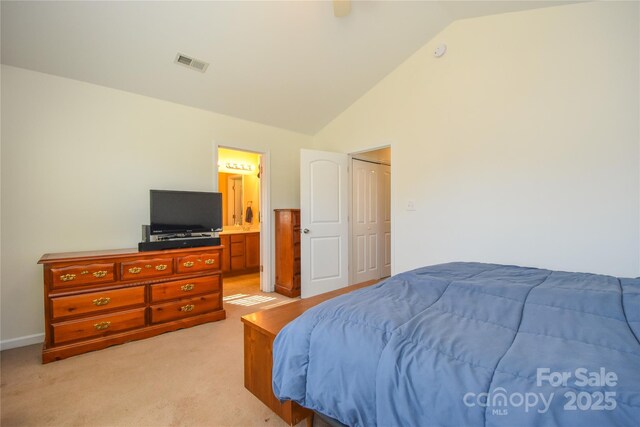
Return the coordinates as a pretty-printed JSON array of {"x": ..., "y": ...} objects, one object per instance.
[{"x": 305, "y": 231}]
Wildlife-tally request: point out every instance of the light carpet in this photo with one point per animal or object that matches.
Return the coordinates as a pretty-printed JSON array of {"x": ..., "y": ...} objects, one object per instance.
[{"x": 191, "y": 377}]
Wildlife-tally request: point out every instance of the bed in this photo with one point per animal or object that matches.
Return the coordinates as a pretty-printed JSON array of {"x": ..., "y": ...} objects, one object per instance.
[{"x": 469, "y": 344}]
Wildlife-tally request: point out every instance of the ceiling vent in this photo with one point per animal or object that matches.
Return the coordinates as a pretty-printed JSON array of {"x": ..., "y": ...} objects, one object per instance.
[{"x": 192, "y": 63}]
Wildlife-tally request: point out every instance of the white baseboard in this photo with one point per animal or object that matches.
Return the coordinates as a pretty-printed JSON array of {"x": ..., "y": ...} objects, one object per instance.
[{"x": 21, "y": 341}]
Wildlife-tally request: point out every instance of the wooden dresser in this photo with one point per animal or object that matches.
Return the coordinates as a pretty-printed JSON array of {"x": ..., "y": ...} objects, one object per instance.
[
  {"x": 288, "y": 252},
  {"x": 97, "y": 299},
  {"x": 260, "y": 329}
]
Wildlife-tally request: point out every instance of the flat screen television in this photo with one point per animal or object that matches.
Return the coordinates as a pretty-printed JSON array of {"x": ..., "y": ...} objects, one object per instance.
[{"x": 185, "y": 211}]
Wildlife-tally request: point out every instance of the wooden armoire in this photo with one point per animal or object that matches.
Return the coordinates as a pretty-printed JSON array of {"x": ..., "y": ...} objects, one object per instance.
[{"x": 288, "y": 252}]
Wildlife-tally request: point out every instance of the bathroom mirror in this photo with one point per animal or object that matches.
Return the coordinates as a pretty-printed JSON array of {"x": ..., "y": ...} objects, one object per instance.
[
  {"x": 239, "y": 192},
  {"x": 231, "y": 187}
]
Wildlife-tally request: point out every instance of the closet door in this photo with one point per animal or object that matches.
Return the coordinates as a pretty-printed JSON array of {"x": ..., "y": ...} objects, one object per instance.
[
  {"x": 366, "y": 223},
  {"x": 384, "y": 243}
]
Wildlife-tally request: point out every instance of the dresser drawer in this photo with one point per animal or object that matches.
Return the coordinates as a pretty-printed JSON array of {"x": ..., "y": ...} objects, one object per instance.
[
  {"x": 97, "y": 326},
  {"x": 96, "y": 302},
  {"x": 199, "y": 262},
  {"x": 75, "y": 275},
  {"x": 185, "y": 308},
  {"x": 144, "y": 268},
  {"x": 184, "y": 288}
]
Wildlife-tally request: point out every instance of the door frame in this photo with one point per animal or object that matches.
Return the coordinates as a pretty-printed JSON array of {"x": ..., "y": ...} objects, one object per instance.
[
  {"x": 267, "y": 270},
  {"x": 353, "y": 155}
]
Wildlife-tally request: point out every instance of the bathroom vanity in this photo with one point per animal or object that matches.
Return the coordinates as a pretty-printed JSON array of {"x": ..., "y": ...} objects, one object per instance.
[{"x": 241, "y": 251}]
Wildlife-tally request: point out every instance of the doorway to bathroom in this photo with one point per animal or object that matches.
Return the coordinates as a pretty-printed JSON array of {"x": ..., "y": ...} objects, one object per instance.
[{"x": 240, "y": 175}]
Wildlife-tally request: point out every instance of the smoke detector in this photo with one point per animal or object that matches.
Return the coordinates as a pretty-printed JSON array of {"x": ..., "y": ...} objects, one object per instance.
[
  {"x": 440, "y": 50},
  {"x": 189, "y": 62}
]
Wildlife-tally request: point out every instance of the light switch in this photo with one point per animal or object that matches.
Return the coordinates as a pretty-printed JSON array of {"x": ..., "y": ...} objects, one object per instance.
[{"x": 411, "y": 205}]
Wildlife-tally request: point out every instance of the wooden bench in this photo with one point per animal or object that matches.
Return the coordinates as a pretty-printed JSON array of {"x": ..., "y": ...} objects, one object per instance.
[{"x": 260, "y": 329}]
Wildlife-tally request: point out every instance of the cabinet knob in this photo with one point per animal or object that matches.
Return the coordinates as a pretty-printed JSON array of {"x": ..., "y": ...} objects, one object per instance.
[{"x": 305, "y": 231}]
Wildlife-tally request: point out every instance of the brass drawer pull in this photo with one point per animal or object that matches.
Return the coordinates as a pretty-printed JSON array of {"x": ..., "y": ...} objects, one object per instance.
[
  {"x": 188, "y": 264},
  {"x": 67, "y": 277},
  {"x": 135, "y": 270},
  {"x": 102, "y": 326},
  {"x": 187, "y": 308},
  {"x": 99, "y": 274},
  {"x": 209, "y": 261},
  {"x": 101, "y": 301},
  {"x": 161, "y": 267},
  {"x": 188, "y": 287}
]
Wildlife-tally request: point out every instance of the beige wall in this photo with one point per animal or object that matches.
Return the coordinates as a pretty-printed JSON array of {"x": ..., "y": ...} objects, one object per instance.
[
  {"x": 520, "y": 145},
  {"x": 78, "y": 161}
]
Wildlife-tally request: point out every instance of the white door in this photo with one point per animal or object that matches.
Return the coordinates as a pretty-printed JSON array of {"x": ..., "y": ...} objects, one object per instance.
[
  {"x": 385, "y": 213},
  {"x": 323, "y": 221},
  {"x": 366, "y": 221},
  {"x": 371, "y": 222},
  {"x": 266, "y": 283}
]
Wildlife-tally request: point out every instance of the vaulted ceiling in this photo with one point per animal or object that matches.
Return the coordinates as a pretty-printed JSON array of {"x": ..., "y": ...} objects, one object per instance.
[{"x": 289, "y": 64}]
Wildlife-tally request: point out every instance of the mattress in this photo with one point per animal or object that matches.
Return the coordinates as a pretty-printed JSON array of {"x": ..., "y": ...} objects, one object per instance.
[{"x": 469, "y": 344}]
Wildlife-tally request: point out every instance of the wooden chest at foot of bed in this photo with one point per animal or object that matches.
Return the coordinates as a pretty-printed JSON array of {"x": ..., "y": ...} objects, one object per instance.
[{"x": 260, "y": 329}]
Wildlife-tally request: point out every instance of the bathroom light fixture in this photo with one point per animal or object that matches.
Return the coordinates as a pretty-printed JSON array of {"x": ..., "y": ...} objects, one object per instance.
[{"x": 239, "y": 166}]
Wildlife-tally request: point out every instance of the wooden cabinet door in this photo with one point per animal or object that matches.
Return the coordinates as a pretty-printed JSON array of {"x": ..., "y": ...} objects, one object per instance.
[
  {"x": 226, "y": 257},
  {"x": 252, "y": 250},
  {"x": 237, "y": 251}
]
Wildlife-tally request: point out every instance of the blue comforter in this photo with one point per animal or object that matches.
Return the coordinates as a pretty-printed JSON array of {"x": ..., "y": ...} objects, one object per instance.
[{"x": 469, "y": 344}]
